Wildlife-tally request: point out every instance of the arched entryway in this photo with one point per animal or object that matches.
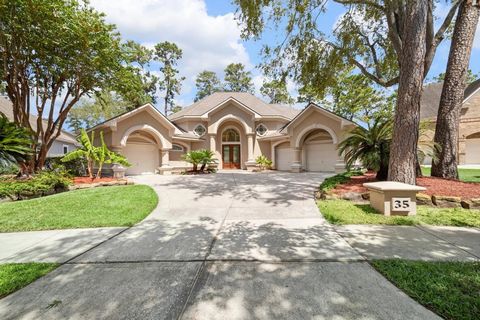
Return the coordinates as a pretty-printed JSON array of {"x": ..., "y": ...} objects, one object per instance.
[
  {"x": 231, "y": 148},
  {"x": 319, "y": 151},
  {"x": 143, "y": 153},
  {"x": 142, "y": 146}
]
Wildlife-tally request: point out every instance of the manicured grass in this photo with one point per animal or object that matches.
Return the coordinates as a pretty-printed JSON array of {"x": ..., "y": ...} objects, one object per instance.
[
  {"x": 95, "y": 207},
  {"x": 346, "y": 212},
  {"x": 467, "y": 175},
  {"x": 14, "y": 276},
  {"x": 450, "y": 289}
]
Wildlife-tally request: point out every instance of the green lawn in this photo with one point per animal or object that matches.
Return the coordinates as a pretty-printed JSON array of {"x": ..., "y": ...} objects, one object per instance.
[
  {"x": 95, "y": 207},
  {"x": 347, "y": 212},
  {"x": 14, "y": 276},
  {"x": 467, "y": 175},
  {"x": 450, "y": 289}
]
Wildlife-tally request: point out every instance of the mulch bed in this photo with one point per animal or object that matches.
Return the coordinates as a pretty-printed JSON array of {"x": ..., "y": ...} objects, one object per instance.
[
  {"x": 435, "y": 186},
  {"x": 87, "y": 180},
  {"x": 453, "y": 188}
]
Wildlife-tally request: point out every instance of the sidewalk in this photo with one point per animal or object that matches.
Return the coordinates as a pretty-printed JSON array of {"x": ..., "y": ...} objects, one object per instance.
[
  {"x": 51, "y": 246},
  {"x": 427, "y": 243}
]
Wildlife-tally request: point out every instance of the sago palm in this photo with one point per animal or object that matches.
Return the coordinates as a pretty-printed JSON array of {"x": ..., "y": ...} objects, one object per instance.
[
  {"x": 208, "y": 158},
  {"x": 15, "y": 142},
  {"x": 370, "y": 146}
]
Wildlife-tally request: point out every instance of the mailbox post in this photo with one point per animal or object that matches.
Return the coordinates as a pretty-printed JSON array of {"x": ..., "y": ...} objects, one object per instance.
[{"x": 393, "y": 198}]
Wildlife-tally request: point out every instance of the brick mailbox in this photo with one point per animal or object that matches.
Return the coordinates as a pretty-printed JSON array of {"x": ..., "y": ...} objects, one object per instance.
[{"x": 393, "y": 198}]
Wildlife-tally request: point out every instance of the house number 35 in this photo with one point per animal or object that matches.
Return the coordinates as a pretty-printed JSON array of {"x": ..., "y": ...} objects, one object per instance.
[{"x": 401, "y": 204}]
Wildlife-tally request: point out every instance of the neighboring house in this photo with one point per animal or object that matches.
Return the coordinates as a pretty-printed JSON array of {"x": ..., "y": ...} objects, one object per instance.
[
  {"x": 65, "y": 142},
  {"x": 469, "y": 129},
  {"x": 238, "y": 127}
]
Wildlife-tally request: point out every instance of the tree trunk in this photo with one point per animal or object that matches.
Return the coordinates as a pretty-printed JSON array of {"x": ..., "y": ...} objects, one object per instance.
[
  {"x": 448, "y": 118},
  {"x": 403, "y": 151}
]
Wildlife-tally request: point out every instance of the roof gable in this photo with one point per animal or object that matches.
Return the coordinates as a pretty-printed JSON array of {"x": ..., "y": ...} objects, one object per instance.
[
  {"x": 148, "y": 108},
  {"x": 204, "y": 106},
  {"x": 432, "y": 92},
  {"x": 313, "y": 106}
]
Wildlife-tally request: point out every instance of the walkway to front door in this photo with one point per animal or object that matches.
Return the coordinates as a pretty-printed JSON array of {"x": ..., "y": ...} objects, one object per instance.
[{"x": 231, "y": 156}]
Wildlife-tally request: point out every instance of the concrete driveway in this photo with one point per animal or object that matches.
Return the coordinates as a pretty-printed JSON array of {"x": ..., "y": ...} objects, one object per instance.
[{"x": 231, "y": 245}]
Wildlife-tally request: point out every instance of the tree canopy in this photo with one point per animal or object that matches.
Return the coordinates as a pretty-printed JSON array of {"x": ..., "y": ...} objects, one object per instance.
[
  {"x": 207, "y": 83},
  {"x": 53, "y": 53},
  {"x": 168, "y": 54},
  {"x": 276, "y": 91},
  {"x": 237, "y": 79}
]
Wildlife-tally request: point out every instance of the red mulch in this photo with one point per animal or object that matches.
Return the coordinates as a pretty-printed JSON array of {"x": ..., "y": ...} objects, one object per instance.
[
  {"x": 83, "y": 180},
  {"x": 435, "y": 186},
  {"x": 453, "y": 188},
  {"x": 355, "y": 184}
]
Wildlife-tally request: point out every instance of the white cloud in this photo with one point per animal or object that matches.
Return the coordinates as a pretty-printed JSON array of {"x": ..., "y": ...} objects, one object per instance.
[{"x": 208, "y": 42}]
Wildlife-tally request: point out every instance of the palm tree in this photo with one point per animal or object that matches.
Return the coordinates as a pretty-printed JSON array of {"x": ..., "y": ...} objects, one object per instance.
[
  {"x": 194, "y": 157},
  {"x": 371, "y": 146},
  {"x": 208, "y": 158},
  {"x": 15, "y": 142}
]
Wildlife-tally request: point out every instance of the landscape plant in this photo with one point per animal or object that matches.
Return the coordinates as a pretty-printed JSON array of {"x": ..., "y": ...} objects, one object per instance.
[
  {"x": 208, "y": 159},
  {"x": 40, "y": 184},
  {"x": 201, "y": 157},
  {"x": 370, "y": 146},
  {"x": 263, "y": 162},
  {"x": 15, "y": 143},
  {"x": 94, "y": 155}
]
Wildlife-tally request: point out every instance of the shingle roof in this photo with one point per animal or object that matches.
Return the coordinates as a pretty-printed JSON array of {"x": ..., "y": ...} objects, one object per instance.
[
  {"x": 7, "y": 110},
  {"x": 431, "y": 98},
  {"x": 257, "y": 105}
]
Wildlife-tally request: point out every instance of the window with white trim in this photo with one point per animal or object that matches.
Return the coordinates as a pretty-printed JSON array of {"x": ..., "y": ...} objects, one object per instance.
[
  {"x": 177, "y": 148},
  {"x": 200, "y": 130},
  {"x": 261, "y": 129},
  {"x": 65, "y": 149}
]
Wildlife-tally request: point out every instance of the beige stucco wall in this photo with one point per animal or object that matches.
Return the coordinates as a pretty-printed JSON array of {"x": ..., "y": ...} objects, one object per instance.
[
  {"x": 469, "y": 125},
  {"x": 314, "y": 119}
]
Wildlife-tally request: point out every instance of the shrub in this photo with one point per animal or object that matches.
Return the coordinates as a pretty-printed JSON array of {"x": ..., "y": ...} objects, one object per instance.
[
  {"x": 76, "y": 167},
  {"x": 263, "y": 162},
  {"x": 332, "y": 182},
  {"x": 9, "y": 169},
  {"x": 44, "y": 183}
]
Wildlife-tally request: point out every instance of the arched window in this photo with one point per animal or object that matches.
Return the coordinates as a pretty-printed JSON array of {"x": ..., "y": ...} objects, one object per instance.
[
  {"x": 230, "y": 135},
  {"x": 177, "y": 148}
]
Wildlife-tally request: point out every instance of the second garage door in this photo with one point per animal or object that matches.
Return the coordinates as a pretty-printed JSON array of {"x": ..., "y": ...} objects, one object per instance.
[
  {"x": 320, "y": 157},
  {"x": 283, "y": 159},
  {"x": 472, "y": 152},
  {"x": 144, "y": 158}
]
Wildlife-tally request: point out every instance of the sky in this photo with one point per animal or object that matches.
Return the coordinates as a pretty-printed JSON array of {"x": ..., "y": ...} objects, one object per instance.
[{"x": 208, "y": 34}]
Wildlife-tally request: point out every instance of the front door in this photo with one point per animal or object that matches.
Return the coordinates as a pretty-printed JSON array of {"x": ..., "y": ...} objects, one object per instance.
[{"x": 231, "y": 156}]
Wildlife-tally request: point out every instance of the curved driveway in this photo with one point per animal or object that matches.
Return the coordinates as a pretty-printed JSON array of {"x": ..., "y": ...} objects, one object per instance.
[{"x": 230, "y": 245}]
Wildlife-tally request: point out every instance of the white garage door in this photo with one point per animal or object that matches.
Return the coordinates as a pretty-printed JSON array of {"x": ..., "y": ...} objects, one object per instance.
[
  {"x": 144, "y": 158},
  {"x": 320, "y": 157},
  {"x": 283, "y": 159},
  {"x": 472, "y": 152}
]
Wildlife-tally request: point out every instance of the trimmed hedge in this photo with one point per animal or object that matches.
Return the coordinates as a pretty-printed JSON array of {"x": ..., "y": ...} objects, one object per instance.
[
  {"x": 44, "y": 183},
  {"x": 332, "y": 182}
]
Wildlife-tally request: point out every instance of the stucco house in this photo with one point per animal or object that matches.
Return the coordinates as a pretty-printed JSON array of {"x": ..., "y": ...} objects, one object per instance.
[
  {"x": 237, "y": 127},
  {"x": 469, "y": 135},
  {"x": 63, "y": 144}
]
